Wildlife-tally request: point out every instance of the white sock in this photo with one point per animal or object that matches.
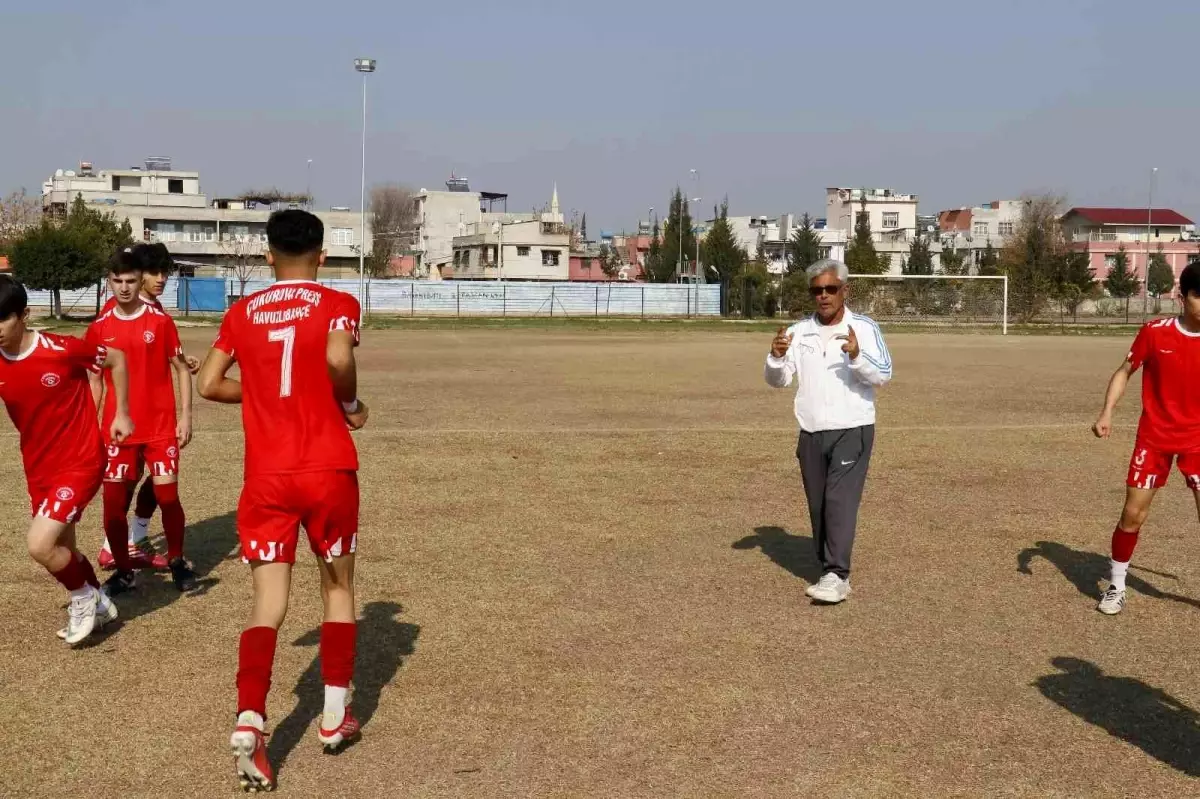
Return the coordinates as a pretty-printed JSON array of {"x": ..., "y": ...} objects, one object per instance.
[
  {"x": 105, "y": 547},
  {"x": 335, "y": 706},
  {"x": 248, "y": 718},
  {"x": 1118, "y": 572},
  {"x": 82, "y": 593},
  {"x": 139, "y": 530}
]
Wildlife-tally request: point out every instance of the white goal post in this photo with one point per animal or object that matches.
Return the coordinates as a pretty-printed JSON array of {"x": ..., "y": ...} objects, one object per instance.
[{"x": 948, "y": 292}]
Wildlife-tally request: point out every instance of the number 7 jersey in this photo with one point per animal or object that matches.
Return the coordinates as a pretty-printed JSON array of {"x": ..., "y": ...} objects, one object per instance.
[{"x": 278, "y": 337}]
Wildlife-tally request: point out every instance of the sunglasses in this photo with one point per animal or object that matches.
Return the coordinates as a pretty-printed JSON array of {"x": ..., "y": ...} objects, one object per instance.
[{"x": 817, "y": 291}]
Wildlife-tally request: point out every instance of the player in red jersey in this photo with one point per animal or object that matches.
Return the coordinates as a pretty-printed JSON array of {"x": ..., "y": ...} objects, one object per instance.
[
  {"x": 44, "y": 386},
  {"x": 157, "y": 266},
  {"x": 1170, "y": 426},
  {"x": 150, "y": 342},
  {"x": 294, "y": 343}
]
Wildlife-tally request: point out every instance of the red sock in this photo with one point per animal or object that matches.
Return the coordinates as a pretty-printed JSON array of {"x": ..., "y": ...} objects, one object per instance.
[
  {"x": 172, "y": 518},
  {"x": 72, "y": 576},
  {"x": 116, "y": 522},
  {"x": 146, "y": 501},
  {"x": 256, "y": 656},
  {"x": 1123, "y": 544},
  {"x": 337, "y": 653},
  {"x": 89, "y": 574}
]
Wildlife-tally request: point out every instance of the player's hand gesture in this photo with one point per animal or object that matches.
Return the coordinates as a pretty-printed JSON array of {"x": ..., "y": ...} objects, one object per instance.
[
  {"x": 193, "y": 365},
  {"x": 851, "y": 347},
  {"x": 358, "y": 419},
  {"x": 121, "y": 429},
  {"x": 782, "y": 342},
  {"x": 1103, "y": 426},
  {"x": 183, "y": 432}
]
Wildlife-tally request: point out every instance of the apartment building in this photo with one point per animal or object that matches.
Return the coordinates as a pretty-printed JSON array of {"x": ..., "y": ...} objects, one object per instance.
[
  {"x": 1101, "y": 232},
  {"x": 496, "y": 248}
]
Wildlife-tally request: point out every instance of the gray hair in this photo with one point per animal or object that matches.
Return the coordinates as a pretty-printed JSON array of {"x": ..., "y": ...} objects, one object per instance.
[{"x": 828, "y": 265}]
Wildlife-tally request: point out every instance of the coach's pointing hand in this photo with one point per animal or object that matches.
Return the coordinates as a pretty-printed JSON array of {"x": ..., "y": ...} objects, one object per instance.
[
  {"x": 1103, "y": 426},
  {"x": 782, "y": 342},
  {"x": 851, "y": 347}
]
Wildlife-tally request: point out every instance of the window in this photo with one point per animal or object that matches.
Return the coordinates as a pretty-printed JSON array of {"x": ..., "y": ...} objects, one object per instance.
[
  {"x": 549, "y": 257},
  {"x": 586, "y": 263},
  {"x": 980, "y": 228},
  {"x": 523, "y": 251},
  {"x": 457, "y": 257},
  {"x": 194, "y": 233},
  {"x": 823, "y": 252},
  {"x": 1005, "y": 228},
  {"x": 116, "y": 183},
  {"x": 174, "y": 185},
  {"x": 891, "y": 219},
  {"x": 343, "y": 236}
]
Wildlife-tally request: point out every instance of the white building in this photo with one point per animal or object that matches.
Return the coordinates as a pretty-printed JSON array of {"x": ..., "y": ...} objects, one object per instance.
[
  {"x": 444, "y": 215},
  {"x": 974, "y": 228},
  {"x": 517, "y": 248},
  {"x": 166, "y": 205},
  {"x": 772, "y": 235},
  {"x": 889, "y": 212}
]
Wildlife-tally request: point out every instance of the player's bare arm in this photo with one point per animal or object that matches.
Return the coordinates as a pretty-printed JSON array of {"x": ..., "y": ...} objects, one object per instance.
[
  {"x": 193, "y": 363},
  {"x": 1116, "y": 388},
  {"x": 343, "y": 373},
  {"x": 122, "y": 424},
  {"x": 183, "y": 372},
  {"x": 213, "y": 383},
  {"x": 96, "y": 382}
]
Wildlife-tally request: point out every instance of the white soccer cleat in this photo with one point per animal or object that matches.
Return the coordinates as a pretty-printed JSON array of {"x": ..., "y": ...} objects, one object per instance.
[
  {"x": 250, "y": 754},
  {"x": 829, "y": 590},
  {"x": 106, "y": 614},
  {"x": 81, "y": 616},
  {"x": 1112, "y": 602}
]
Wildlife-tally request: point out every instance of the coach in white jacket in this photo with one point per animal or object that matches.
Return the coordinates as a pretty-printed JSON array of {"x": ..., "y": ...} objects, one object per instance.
[{"x": 837, "y": 358}]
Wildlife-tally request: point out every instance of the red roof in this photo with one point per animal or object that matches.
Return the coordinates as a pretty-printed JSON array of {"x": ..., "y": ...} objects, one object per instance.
[{"x": 1131, "y": 216}]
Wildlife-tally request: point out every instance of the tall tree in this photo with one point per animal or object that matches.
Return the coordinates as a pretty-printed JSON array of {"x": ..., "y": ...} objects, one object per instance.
[
  {"x": 861, "y": 256},
  {"x": 1075, "y": 282},
  {"x": 654, "y": 265},
  {"x": 677, "y": 244},
  {"x": 920, "y": 257},
  {"x": 610, "y": 261},
  {"x": 393, "y": 226},
  {"x": 68, "y": 254},
  {"x": 18, "y": 212},
  {"x": 720, "y": 248},
  {"x": 1032, "y": 255},
  {"x": 1121, "y": 282},
  {"x": 1160, "y": 280},
  {"x": 989, "y": 260},
  {"x": 804, "y": 248},
  {"x": 583, "y": 227},
  {"x": 954, "y": 262}
]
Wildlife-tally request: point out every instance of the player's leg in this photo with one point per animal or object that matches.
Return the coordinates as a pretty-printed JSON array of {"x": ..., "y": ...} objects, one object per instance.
[
  {"x": 268, "y": 531},
  {"x": 163, "y": 458},
  {"x": 117, "y": 495},
  {"x": 51, "y": 543},
  {"x": 1148, "y": 472},
  {"x": 143, "y": 510},
  {"x": 332, "y": 527}
]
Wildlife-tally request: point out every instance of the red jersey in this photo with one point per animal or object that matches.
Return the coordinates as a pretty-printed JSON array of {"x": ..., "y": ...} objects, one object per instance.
[
  {"x": 1170, "y": 387},
  {"x": 111, "y": 304},
  {"x": 292, "y": 420},
  {"x": 49, "y": 400},
  {"x": 150, "y": 342}
]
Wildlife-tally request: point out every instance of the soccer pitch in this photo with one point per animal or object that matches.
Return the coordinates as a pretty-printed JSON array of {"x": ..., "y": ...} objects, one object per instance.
[{"x": 581, "y": 569}]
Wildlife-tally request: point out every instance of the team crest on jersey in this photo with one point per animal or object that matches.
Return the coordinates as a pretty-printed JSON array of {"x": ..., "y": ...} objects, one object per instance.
[
  {"x": 148, "y": 336},
  {"x": 64, "y": 494},
  {"x": 50, "y": 380},
  {"x": 172, "y": 452}
]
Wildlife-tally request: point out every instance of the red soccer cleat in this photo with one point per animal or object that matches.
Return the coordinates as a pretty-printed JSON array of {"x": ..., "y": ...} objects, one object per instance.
[
  {"x": 345, "y": 732},
  {"x": 142, "y": 555},
  {"x": 250, "y": 759}
]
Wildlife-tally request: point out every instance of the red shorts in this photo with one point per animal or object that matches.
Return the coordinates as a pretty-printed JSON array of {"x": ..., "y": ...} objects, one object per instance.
[
  {"x": 64, "y": 498},
  {"x": 1149, "y": 468},
  {"x": 125, "y": 461},
  {"x": 274, "y": 506}
]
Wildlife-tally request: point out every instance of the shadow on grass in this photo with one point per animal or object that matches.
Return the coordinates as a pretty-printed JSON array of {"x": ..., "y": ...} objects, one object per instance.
[
  {"x": 1129, "y": 709},
  {"x": 1086, "y": 570},
  {"x": 384, "y": 643},
  {"x": 793, "y": 553},
  {"x": 206, "y": 544}
]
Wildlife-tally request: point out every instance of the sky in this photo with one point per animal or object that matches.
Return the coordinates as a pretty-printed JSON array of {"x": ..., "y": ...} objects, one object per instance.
[{"x": 616, "y": 102}]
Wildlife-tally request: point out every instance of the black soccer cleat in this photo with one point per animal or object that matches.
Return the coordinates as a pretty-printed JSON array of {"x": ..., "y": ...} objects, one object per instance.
[
  {"x": 121, "y": 582},
  {"x": 182, "y": 575}
]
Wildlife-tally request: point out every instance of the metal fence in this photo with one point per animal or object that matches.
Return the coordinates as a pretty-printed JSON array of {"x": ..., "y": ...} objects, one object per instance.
[{"x": 468, "y": 298}]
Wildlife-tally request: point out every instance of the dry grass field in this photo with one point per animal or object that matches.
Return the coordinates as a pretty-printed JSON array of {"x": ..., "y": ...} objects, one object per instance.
[{"x": 583, "y": 557}]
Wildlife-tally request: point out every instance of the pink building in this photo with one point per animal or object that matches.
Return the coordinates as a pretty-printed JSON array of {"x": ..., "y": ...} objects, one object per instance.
[
  {"x": 585, "y": 263},
  {"x": 1100, "y": 232}
]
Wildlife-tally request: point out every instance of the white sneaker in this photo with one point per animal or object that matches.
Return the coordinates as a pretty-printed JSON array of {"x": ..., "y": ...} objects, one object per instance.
[
  {"x": 81, "y": 614},
  {"x": 829, "y": 590},
  {"x": 106, "y": 614},
  {"x": 1112, "y": 602}
]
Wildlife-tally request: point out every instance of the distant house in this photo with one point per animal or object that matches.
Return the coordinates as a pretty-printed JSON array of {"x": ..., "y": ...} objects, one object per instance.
[{"x": 1100, "y": 232}]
